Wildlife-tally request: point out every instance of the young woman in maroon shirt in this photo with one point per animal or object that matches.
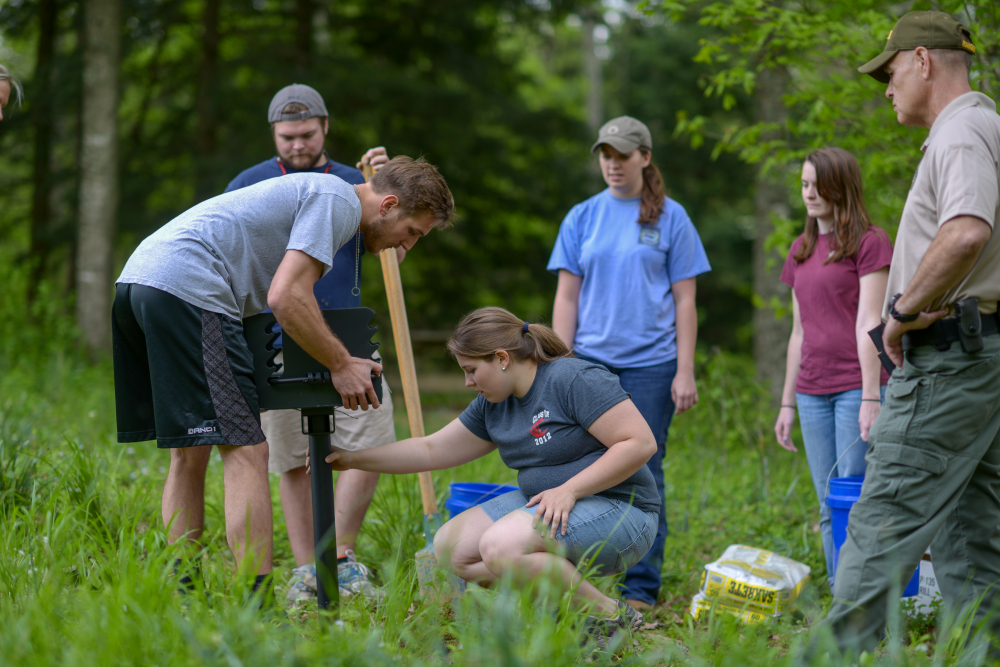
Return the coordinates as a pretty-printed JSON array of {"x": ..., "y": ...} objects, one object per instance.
[{"x": 837, "y": 270}]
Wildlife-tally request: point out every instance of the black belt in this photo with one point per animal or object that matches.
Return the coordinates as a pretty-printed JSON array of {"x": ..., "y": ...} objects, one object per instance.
[{"x": 943, "y": 333}]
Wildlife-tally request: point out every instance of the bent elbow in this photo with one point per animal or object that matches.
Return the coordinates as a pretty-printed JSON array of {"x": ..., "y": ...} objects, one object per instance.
[
  {"x": 648, "y": 446},
  {"x": 975, "y": 239},
  {"x": 276, "y": 299},
  {"x": 863, "y": 327}
]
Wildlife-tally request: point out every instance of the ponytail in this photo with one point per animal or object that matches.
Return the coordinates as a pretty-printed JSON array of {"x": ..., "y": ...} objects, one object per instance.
[
  {"x": 484, "y": 332},
  {"x": 653, "y": 193}
]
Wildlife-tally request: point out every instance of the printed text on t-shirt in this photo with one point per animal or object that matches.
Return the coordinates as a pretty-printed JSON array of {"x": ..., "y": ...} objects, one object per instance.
[{"x": 536, "y": 428}]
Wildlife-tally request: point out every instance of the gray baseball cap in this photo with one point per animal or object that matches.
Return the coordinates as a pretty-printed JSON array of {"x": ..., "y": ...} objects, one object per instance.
[
  {"x": 297, "y": 92},
  {"x": 624, "y": 134}
]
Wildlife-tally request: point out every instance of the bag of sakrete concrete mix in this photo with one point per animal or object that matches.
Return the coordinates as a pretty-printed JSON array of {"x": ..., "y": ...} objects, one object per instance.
[
  {"x": 755, "y": 579},
  {"x": 701, "y": 605}
]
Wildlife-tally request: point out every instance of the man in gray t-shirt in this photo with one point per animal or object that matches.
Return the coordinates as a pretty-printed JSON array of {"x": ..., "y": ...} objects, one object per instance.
[
  {"x": 222, "y": 254},
  {"x": 183, "y": 373}
]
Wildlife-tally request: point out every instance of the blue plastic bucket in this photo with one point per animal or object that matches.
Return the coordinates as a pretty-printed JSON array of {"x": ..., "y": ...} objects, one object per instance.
[
  {"x": 843, "y": 493},
  {"x": 463, "y": 495}
]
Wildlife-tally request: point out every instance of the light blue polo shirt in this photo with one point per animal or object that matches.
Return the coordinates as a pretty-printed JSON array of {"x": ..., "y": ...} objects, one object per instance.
[{"x": 626, "y": 315}]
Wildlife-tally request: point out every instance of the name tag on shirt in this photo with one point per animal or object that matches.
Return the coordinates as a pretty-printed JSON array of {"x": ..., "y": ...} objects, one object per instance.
[{"x": 649, "y": 237}]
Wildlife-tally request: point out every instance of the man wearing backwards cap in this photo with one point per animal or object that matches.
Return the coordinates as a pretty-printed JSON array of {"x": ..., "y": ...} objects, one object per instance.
[
  {"x": 933, "y": 475},
  {"x": 299, "y": 125}
]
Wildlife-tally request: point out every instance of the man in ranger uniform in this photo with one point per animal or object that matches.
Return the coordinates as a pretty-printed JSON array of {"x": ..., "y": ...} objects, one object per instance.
[{"x": 933, "y": 475}]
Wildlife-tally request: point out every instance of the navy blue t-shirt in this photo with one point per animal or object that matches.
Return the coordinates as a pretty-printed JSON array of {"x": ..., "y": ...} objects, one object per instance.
[{"x": 334, "y": 289}]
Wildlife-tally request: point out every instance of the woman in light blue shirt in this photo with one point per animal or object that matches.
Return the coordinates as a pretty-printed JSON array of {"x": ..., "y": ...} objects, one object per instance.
[{"x": 627, "y": 261}]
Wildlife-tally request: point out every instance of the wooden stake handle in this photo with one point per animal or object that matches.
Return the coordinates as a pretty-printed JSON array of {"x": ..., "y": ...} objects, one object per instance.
[{"x": 404, "y": 355}]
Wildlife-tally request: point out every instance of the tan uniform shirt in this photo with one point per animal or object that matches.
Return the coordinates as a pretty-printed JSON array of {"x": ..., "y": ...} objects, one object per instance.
[{"x": 958, "y": 175}]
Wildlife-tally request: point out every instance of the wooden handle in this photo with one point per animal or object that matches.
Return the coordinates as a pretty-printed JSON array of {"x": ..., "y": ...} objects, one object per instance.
[{"x": 404, "y": 355}]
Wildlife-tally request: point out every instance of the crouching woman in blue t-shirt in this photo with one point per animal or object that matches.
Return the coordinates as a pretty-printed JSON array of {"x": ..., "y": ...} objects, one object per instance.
[{"x": 579, "y": 446}]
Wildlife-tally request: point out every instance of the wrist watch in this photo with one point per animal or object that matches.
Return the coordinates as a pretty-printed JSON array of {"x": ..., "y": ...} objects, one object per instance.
[{"x": 898, "y": 316}]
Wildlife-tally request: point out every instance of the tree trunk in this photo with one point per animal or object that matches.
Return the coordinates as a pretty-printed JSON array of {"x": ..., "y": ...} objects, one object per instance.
[
  {"x": 205, "y": 134},
  {"x": 624, "y": 73},
  {"x": 304, "y": 10},
  {"x": 98, "y": 171},
  {"x": 595, "y": 93},
  {"x": 770, "y": 334},
  {"x": 42, "y": 117},
  {"x": 595, "y": 89}
]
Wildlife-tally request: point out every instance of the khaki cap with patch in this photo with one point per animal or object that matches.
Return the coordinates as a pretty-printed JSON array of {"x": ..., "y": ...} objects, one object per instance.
[
  {"x": 624, "y": 134},
  {"x": 931, "y": 30}
]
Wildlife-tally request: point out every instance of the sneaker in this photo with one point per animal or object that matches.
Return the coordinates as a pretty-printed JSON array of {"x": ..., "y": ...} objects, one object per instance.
[
  {"x": 354, "y": 578},
  {"x": 603, "y": 630},
  {"x": 302, "y": 585}
]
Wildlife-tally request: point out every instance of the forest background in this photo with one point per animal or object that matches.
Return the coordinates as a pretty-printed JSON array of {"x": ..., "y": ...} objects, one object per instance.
[
  {"x": 151, "y": 106},
  {"x": 135, "y": 110}
]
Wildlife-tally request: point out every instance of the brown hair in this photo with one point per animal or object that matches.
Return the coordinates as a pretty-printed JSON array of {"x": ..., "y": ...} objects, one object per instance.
[
  {"x": 838, "y": 181},
  {"x": 420, "y": 187},
  {"x": 653, "y": 193},
  {"x": 294, "y": 107},
  {"x": 484, "y": 332}
]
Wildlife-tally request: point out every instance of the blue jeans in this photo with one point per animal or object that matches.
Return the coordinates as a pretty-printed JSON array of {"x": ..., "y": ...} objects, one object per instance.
[
  {"x": 649, "y": 387},
  {"x": 831, "y": 436},
  {"x": 606, "y": 534}
]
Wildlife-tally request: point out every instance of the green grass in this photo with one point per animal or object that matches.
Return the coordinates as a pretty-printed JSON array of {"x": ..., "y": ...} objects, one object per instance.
[{"x": 86, "y": 573}]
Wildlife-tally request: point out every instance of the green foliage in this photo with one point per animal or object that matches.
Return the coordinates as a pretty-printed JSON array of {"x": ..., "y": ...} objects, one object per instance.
[
  {"x": 816, "y": 48},
  {"x": 86, "y": 574},
  {"x": 449, "y": 80},
  {"x": 494, "y": 93}
]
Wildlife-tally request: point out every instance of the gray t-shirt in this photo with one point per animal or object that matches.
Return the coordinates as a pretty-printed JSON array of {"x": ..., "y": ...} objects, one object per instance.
[
  {"x": 222, "y": 254},
  {"x": 543, "y": 435}
]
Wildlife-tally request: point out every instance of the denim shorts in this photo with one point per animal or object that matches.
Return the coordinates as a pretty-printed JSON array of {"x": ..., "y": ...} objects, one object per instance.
[{"x": 609, "y": 535}]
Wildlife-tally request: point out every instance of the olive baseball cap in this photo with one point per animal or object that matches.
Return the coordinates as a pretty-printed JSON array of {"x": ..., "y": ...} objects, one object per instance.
[
  {"x": 931, "y": 30},
  {"x": 297, "y": 92},
  {"x": 624, "y": 134}
]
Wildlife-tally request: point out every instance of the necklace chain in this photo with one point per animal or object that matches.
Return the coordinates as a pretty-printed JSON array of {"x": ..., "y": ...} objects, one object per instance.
[
  {"x": 357, "y": 260},
  {"x": 357, "y": 252}
]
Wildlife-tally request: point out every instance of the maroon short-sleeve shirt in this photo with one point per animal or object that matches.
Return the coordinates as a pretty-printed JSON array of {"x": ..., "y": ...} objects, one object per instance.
[{"x": 828, "y": 297}]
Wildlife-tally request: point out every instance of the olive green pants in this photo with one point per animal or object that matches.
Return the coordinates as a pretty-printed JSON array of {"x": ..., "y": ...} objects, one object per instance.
[{"x": 933, "y": 479}]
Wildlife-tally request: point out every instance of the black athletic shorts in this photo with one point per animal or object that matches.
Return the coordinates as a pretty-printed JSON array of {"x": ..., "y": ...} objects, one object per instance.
[{"x": 183, "y": 375}]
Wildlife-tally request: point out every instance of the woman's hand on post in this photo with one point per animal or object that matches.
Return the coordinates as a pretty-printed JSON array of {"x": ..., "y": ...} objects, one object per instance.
[
  {"x": 337, "y": 458},
  {"x": 684, "y": 391},
  {"x": 866, "y": 419},
  {"x": 783, "y": 428},
  {"x": 554, "y": 506}
]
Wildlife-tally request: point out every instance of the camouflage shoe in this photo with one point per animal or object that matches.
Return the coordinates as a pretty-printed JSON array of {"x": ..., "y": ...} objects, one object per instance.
[
  {"x": 302, "y": 585},
  {"x": 602, "y": 631},
  {"x": 354, "y": 578}
]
